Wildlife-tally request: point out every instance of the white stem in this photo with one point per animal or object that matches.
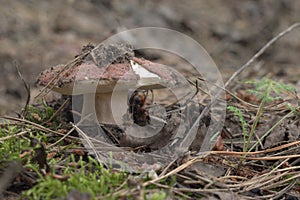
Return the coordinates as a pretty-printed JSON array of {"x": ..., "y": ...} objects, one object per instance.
[
  {"x": 111, "y": 107},
  {"x": 88, "y": 112}
]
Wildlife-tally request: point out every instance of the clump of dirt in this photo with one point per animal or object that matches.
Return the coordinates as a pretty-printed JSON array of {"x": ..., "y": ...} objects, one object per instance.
[{"x": 103, "y": 55}]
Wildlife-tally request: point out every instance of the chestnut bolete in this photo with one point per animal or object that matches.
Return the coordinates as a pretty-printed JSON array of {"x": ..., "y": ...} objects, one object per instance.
[{"x": 105, "y": 88}]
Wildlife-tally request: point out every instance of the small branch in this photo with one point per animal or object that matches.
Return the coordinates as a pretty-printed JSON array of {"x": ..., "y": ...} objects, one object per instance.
[
  {"x": 260, "y": 52},
  {"x": 12, "y": 136},
  {"x": 27, "y": 88},
  {"x": 57, "y": 112},
  {"x": 37, "y": 126}
]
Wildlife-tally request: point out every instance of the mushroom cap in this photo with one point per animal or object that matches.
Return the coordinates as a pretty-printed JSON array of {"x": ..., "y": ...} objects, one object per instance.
[{"x": 89, "y": 78}]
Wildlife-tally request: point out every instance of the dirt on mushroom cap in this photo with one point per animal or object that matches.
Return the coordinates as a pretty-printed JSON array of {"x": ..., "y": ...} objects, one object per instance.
[
  {"x": 106, "y": 54},
  {"x": 86, "y": 72},
  {"x": 109, "y": 62}
]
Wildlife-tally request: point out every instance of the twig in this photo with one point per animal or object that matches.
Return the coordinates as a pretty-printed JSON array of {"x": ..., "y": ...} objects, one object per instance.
[
  {"x": 271, "y": 129},
  {"x": 167, "y": 167},
  {"x": 197, "y": 88},
  {"x": 260, "y": 52},
  {"x": 56, "y": 112},
  {"x": 226, "y": 90},
  {"x": 86, "y": 138},
  {"x": 257, "y": 152},
  {"x": 286, "y": 189},
  {"x": 62, "y": 138},
  {"x": 63, "y": 71},
  {"x": 27, "y": 88},
  {"x": 37, "y": 126},
  {"x": 265, "y": 178},
  {"x": 15, "y": 135},
  {"x": 176, "y": 170}
]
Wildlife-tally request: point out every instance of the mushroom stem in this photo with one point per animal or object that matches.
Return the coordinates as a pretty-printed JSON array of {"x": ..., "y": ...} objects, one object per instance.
[
  {"x": 89, "y": 121},
  {"x": 111, "y": 107},
  {"x": 88, "y": 113}
]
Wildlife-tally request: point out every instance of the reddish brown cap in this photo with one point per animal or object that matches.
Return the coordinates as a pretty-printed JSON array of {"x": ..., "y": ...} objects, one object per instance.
[{"x": 88, "y": 76}]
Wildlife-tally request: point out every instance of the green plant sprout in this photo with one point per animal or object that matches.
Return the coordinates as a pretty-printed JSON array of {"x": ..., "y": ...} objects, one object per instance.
[
  {"x": 11, "y": 147},
  {"x": 237, "y": 112},
  {"x": 86, "y": 177},
  {"x": 265, "y": 89},
  {"x": 158, "y": 196},
  {"x": 42, "y": 114}
]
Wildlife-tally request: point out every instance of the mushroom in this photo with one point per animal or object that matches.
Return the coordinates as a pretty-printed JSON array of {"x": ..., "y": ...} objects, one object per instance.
[{"x": 106, "y": 87}]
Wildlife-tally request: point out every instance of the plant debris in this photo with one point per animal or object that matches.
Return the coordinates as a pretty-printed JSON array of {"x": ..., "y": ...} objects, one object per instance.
[{"x": 256, "y": 155}]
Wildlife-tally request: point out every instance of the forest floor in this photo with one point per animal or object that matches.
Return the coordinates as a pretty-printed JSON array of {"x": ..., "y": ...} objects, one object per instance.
[{"x": 255, "y": 156}]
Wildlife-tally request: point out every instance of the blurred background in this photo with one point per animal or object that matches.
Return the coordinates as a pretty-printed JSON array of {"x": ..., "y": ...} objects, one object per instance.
[{"x": 37, "y": 34}]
